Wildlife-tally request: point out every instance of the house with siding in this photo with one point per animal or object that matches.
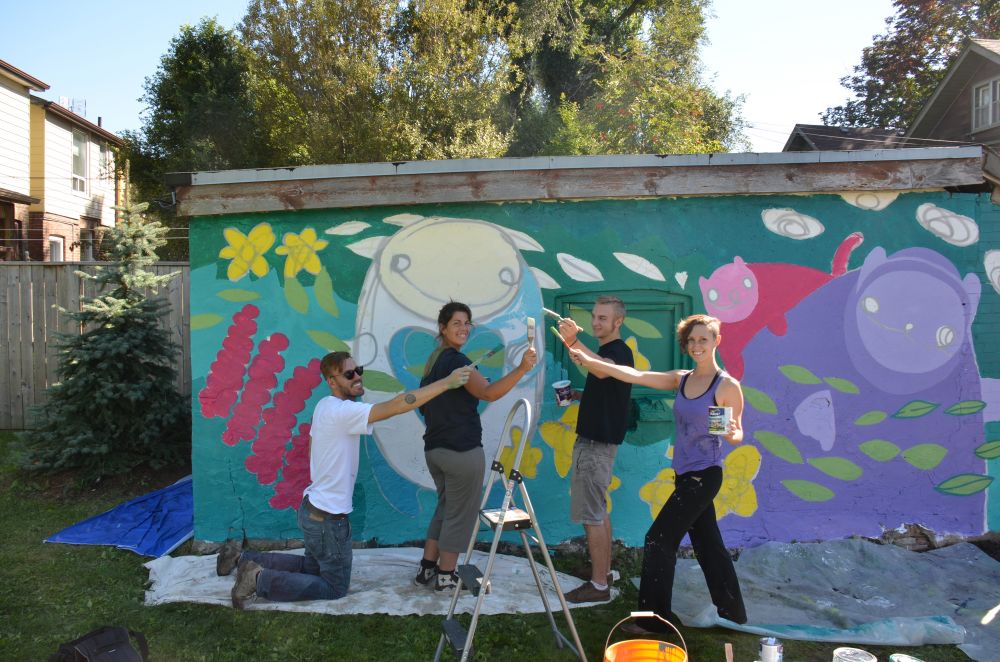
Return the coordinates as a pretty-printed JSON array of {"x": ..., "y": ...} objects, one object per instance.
[
  {"x": 74, "y": 179},
  {"x": 16, "y": 87}
]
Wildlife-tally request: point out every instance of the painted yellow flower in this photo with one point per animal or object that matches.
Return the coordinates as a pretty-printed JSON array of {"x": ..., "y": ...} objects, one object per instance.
[
  {"x": 616, "y": 482},
  {"x": 246, "y": 252},
  {"x": 737, "y": 494},
  {"x": 529, "y": 460},
  {"x": 640, "y": 360},
  {"x": 656, "y": 492},
  {"x": 301, "y": 250},
  {"x": 560, "y": 436}
]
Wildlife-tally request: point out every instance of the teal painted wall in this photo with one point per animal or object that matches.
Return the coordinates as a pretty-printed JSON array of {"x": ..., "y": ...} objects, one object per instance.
[{"x": 864, "y": 329}]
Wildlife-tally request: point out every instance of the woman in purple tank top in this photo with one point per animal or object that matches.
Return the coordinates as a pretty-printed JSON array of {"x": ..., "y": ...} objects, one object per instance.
[{"x": 697, "y": 463}]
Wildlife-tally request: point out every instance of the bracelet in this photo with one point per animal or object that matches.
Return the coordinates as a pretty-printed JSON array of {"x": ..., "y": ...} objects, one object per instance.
[{"x": 575, "y": 341}]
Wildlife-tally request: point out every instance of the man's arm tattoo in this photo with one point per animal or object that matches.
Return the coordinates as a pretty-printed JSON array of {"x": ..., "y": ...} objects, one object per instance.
[{"x": 410, "y": 398}]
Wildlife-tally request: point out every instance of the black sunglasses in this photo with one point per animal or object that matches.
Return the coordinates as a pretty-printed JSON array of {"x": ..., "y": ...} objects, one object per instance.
[{"x": 349, "y": 374}]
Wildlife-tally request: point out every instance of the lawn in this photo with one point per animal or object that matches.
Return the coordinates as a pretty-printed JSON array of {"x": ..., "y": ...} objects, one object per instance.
[{"x": 50, "y": 594}]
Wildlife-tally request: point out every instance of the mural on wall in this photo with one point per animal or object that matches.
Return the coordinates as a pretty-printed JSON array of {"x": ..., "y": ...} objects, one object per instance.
[{"x": 866, "y": 408}]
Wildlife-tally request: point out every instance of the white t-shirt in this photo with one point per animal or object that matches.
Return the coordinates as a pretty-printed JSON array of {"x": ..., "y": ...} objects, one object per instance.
[{"x": 337, "y": 426}]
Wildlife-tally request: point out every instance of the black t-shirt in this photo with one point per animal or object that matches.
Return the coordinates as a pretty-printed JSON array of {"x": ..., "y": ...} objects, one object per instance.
[
  {"x": 604, "y": 405},
  {"x": 451, "y": 418}
]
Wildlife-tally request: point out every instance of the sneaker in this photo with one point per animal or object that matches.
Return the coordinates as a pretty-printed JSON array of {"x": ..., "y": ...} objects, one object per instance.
[
  {"x": 228, "y": 558},
  {"x": 245, "y": 587},
  {"x": 446, "y": 581},
  {"x": 425, "y": 576},
  {"x": 587, "y": 592}
]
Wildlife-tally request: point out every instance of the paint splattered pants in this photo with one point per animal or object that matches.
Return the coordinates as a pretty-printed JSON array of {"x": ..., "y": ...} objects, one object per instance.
[{"x": 689, "y": 510}]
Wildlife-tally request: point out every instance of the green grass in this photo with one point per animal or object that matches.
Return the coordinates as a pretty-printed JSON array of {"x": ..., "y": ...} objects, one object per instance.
[{"x": 51, "y": 594}]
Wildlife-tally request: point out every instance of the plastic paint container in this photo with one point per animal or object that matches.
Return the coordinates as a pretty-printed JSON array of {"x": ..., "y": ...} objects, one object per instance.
[
  {"x": 903, "y": 657},
  {"x": 846, "y": 654}
]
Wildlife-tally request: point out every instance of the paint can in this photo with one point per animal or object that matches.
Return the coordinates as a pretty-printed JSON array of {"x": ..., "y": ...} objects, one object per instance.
[
  {"x": 846, "y": 654},
  {"x": 903, "y": 657},
  {"x": 771, "y": 650}
]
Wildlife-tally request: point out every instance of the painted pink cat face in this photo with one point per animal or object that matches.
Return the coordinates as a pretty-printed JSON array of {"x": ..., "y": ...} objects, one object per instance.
[{"x": 730, "y": 293}]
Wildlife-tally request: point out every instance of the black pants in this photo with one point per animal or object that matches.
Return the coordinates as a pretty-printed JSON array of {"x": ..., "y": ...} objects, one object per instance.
[{"x": 689, "y": 510}]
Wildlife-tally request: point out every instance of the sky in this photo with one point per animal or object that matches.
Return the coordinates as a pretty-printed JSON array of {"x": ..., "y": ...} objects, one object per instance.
[{"x": 785, "y": 57}]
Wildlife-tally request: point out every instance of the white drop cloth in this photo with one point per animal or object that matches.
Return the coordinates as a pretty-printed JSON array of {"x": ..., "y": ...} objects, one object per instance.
[
  {"x": 854, "y": 591},
  {"x": 381, "y": 582}
]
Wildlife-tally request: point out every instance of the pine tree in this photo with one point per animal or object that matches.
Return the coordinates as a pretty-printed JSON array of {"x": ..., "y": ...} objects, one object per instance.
[{"x": 116, "y": 405}]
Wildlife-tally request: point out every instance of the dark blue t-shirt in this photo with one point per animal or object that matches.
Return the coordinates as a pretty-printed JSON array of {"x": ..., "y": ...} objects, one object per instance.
[
  {"x": 604, "y": 405},
  {"x": 452, "y": 418}
]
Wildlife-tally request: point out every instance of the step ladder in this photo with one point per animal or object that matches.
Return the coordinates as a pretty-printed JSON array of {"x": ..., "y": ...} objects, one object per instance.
[{"x": 507, "y": 517}]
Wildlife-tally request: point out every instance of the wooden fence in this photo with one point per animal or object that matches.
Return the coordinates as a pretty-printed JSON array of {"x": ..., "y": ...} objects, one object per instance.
[{"x": 29, "y": 320}]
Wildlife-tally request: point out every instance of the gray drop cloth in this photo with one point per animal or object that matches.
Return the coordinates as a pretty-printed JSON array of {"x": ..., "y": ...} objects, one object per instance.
[
  {"x": 381, "y": 583},
  {"x": 853, "y": 591}
]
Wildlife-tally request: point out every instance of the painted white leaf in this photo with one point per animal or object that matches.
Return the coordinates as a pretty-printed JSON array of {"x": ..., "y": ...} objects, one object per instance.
[
  {"x": 545, "y": 281},
  {"x": 523, "y": 241},
  {"x": 792, "y": 224},
  {"x": 367, "y": 247},
  {"x": 682, "y": 278},
  {"x": 991, "y": 263},
  {"x": 945, "y": 224},
  {"x": 578, "y": 269},
  {"x": 640, "y": 265},
  {"x": 870, "y": 200},
  {"x": 403, "y": 220},
  {"x": 348, "y": 228}
]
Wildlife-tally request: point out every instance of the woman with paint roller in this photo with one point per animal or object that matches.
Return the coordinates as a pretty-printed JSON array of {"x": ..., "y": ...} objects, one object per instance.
[
  {"x": 697, "y": 463},
  {"x": 453, "y": 445}
]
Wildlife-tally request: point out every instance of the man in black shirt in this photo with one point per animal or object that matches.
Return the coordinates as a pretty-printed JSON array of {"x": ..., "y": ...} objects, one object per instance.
[{"x": 600, "y": 430}]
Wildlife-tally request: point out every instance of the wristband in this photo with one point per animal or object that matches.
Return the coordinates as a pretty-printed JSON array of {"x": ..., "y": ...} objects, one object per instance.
[{"x": 575, "y": 341}]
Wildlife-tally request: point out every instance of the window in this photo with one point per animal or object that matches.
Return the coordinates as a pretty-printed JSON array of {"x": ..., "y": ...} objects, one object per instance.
[
  {"x": 55, "y": 248},
  {"x": 80, "y": 161},
  {"x": 86, "y": 245},
  {"x": 107, "y": 163},
  {"x": 986, "y": 105}
]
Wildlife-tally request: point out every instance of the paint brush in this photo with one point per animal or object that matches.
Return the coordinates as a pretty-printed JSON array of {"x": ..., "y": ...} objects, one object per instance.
[
  {"x": 498, "y": 348},
  {"x": 558, "y": 335},
  {"x": 531, "y": 331},
  {"x": 552, "y": 313}
]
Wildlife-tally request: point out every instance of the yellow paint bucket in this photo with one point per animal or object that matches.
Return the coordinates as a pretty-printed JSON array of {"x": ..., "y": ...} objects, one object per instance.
[{"x": 644, "y": 650}]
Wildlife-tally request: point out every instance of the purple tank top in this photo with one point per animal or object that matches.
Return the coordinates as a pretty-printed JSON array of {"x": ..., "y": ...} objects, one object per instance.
[{"x": 694, "y": 448}]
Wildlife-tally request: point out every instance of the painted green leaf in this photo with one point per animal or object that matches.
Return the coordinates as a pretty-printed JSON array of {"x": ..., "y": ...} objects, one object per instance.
[
  {"x": 925, "y": 456},
  {"x": 324, "y": 293},
  {"x": 779, "y": 445},
  {"x": 837, "y": 467},
  {"x": 879, "y": 450},
  {"x": 966, "y": 407},
  {"x": 238, "y": 296},
  {"x": 964, "y": 484},
  {"x": 808, "y": 490},
  {"x": 296, "y": 295},
  {"x": 759, "y": 400},
  {"x": 380, "y": 381},
  {"x": 842, "y": 385},
  {"x": 871, "y": 418},
  {"x": 327, "y": 341},
  {"x": 642, "y": 328},
  {"x": 204, "y": 321},
  {"x": 990, "y": 450},
  {"x": 915, "y": 409},
  {"x": 581, "y": 316},
  {"x": 798, "y": 374},
  {"x": 495, "y": 361}
]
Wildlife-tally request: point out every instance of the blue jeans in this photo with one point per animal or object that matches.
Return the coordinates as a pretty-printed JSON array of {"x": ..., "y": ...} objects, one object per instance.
[{"x": 322, "y": 573}]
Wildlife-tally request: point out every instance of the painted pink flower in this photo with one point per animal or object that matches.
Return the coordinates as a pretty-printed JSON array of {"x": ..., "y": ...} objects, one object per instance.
[
  {"x": 225, "y": 375},
  {"x": 279, "y": 421},
  {"x": 295, "y": 477},
  {"x": 261, "y": 380}
]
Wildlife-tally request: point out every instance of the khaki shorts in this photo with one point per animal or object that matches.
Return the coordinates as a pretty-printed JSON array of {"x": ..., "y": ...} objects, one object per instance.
[{"x": 593, "y": 463}]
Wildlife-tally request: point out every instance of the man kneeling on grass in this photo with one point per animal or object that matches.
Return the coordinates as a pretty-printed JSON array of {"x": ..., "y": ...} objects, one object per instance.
[{"x": 324, "y": 571}]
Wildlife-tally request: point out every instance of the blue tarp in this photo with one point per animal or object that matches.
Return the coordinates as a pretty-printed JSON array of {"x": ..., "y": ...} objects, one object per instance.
[{"x": 152, "y": 525}]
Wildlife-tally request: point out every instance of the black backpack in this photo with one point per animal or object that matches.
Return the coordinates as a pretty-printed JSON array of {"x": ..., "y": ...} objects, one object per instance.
[{"x": 107, "y": 644}]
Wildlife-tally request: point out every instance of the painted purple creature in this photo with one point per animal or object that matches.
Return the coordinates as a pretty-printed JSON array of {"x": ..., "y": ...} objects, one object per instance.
[
  {"x": 869, "y": 409},
  {"x": 749, "y": 297}
]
